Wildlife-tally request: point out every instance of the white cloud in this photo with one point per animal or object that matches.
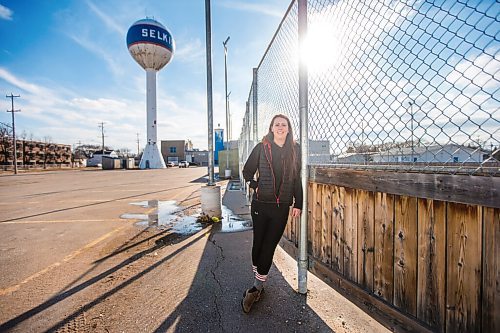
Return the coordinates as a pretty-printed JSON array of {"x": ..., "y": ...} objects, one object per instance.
[
  {"x": 5, "y": 13},
  {"x": 13, "y": 80},
  {"x": 479, "y": 71},
  {"x": 68, "y": 117},
  {"x": 100, "y": 52},
  {"x": 108, "y": 20},
  {"x": 98, "y": 104},
  {"x": 191, "y": 52}
]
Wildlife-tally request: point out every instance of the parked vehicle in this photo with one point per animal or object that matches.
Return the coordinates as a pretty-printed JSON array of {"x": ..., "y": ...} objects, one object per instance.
[
  {"x": 170, "y": 164},
  {"x": 183, "y": 164}
]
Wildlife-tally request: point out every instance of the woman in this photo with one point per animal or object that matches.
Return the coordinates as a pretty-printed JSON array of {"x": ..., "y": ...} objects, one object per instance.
[{"x": 278, "y": 186}]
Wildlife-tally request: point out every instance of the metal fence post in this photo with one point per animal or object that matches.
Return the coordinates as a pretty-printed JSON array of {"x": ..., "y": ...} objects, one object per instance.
[
  {"x": 304, "y": 144},
  {"x": 255, "y": 103},
  {"x": 209, "y": 94}
]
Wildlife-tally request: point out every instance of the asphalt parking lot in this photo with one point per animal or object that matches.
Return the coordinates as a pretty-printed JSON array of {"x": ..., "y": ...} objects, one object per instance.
[{"x": 46, "y": 217}]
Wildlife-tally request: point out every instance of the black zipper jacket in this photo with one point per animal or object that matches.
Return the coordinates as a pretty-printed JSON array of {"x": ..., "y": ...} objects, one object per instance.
[{"x": 275, "y": 182}]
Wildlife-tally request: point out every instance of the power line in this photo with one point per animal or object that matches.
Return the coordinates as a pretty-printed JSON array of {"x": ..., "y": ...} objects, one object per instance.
[{"x": 13, "y": 128}]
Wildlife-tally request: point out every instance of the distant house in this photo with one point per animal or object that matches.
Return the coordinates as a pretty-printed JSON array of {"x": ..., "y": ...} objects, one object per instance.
[
  {"x": 354, "y": 158},
  {"x": 96, "y": 158},
  {"x": 450, "y": 153}
]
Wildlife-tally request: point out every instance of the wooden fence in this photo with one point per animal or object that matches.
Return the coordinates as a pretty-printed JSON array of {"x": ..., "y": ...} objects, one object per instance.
[{"x": 419, "y": 247}]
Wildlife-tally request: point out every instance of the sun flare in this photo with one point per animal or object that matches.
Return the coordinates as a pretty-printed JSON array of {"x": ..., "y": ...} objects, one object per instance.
[{"x": 321, "y": 46}]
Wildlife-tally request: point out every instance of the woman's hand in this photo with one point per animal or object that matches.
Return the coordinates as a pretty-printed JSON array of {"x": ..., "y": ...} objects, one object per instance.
[{"x": 295, "y": 212}]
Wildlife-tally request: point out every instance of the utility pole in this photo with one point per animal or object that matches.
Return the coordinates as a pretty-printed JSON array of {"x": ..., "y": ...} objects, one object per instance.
[
  {"x": 14, "y": 129},
  {"x": 137, "y": 144},
  {"x": 101, "y": 125}
]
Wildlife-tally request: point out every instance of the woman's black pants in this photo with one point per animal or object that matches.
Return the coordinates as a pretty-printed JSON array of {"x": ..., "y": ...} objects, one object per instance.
[{"x": 269, "y": 222}]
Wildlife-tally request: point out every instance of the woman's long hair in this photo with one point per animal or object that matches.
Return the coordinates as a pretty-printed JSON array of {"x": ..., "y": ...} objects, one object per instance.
[{"x": 290, "y": 154}]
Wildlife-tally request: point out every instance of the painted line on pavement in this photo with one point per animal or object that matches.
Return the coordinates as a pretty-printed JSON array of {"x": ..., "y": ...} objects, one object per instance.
[{"x": 11, "y": 289}]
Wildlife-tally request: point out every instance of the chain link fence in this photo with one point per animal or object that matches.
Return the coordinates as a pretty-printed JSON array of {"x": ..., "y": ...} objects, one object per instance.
[{"x": 410, "y": 86}]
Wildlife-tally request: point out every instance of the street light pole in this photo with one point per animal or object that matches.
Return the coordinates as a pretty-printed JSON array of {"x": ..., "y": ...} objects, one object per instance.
[
  {"x": 225, "y": 86},
  {"x": 11, "y": 96},
  {"x": 411, "y": 103}
]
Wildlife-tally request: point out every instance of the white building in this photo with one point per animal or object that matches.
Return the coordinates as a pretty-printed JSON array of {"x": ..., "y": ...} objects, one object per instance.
[
  {"x": 354, "y": 158},
  {"x": 96, "y": 158},
  {"x": 319, "y": 151},
  {"x": 450, "y": 153}
]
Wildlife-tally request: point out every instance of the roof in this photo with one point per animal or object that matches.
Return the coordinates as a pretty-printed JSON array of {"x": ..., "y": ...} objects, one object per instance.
[{"x": 434, "y": 148}]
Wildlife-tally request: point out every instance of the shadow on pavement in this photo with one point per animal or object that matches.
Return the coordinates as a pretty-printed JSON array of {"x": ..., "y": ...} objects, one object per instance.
[
  {"x": 213, "y": 300},
  {"x": 161, "y": 242},
  {"x": 185, "y": 284}
]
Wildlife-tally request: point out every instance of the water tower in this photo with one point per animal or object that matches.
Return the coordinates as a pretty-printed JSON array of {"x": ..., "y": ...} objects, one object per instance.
[{"x": 152, "y": 46}]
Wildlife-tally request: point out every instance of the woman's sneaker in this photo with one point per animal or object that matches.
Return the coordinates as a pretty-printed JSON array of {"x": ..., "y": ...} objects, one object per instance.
[{"x": 249, "y": 297}]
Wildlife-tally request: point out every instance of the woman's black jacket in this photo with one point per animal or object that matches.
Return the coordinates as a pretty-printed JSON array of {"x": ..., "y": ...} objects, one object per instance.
[{"x": 290, "y": 188}]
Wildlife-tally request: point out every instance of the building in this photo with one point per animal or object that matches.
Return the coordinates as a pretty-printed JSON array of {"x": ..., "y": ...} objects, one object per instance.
[
  {"x": 96, "y": 158},
  {"x": 319, "y": 151},
  {"x": 34, "y": 153},
  {"x": 173, "y": 151},
  {"x": 449, "y": 153},
  {"x": 354, "y": 158},
  {"x": 198, "y": 157}
]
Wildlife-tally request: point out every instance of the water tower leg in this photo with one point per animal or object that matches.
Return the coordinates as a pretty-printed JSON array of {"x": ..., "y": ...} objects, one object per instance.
[{"x": 152, "y": 152}]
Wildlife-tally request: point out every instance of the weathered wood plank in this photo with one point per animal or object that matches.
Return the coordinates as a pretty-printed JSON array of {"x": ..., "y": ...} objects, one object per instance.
[
  {"x": 316, "y": 220},
  {"x": 291, "y": 227},
  {"x": 288, "y": 232},
  {"x": 394, "y": 320},
  {"x": 351, "y": 236},
  {"x": 476, "y": 190},
  {"x": 326, "y": 231},
  {"x": 387, "y": 315},
  {"x": 365, "y": 239},
  {"x": 405, "y": 254},
  {"x": 431, "y": 263},
  {"x": 295, "y": 230},
  {"x": 338, "y": 238},
  {"x": 310, "y": 206},
  {"x": 463, "y": 289},
  {"x": 384, "y": 246},
  {"x": 491, "y": 271}
]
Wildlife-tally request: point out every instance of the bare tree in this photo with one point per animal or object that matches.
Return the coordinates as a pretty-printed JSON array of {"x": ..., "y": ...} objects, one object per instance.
[{"x": 5, "y": 142}]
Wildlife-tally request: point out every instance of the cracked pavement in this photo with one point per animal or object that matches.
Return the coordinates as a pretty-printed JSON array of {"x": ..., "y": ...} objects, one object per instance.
[{"x": 150, "y": 280}]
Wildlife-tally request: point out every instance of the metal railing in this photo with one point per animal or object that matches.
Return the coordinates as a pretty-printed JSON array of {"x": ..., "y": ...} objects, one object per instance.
[{"x": 409, "y": 86}]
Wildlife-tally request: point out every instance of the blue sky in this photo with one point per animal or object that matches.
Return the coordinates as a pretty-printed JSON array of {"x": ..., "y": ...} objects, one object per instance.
[{"x": 69, "y": 61}]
